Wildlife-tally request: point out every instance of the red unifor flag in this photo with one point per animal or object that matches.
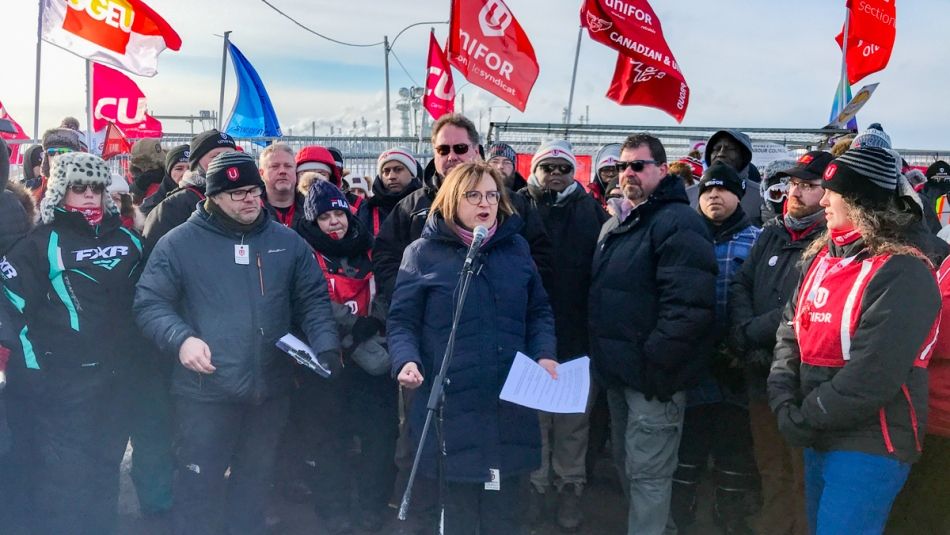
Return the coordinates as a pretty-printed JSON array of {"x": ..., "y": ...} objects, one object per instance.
[
  {"x": 646, "y": 74},
  {"x": 440, "y": 89},
  {"x": 117, "y": 99},
  {"x": 872, "y": 28},
  {"x": 115, "y": 143},
  {"x": 126, "y": 34},
  {"x": 491, "y": 50}
]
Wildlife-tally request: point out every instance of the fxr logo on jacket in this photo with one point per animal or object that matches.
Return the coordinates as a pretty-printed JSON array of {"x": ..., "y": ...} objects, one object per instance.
[{"x": 7, "y": 271}]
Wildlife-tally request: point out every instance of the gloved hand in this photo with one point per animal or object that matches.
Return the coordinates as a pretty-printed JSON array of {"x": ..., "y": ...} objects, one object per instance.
[
  {"x": 332, "y": 361},
  {"x": 658, "y": 384},
  {"x": 792, "y": 425},
  {"x": 365, "y": 328}
]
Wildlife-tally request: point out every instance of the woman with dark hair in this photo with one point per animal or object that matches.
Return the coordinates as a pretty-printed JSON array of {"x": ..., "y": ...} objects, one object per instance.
[
  {"x": 506, "y": 311},
  {"x": 849, "y": 379},
  {"x": 71, "y": 283}
]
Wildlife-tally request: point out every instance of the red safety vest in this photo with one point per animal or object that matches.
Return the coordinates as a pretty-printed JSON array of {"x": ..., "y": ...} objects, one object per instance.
[
  {"x": 942, "y": 207},
  {"x": 829, "y": 310},
  {"x": 355, "y": 293}
]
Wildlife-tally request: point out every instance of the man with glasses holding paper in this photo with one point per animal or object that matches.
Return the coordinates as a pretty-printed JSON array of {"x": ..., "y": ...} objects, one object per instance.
[
  {"x": 651, "y": 311},
  {"x": 217, "y": 293}
]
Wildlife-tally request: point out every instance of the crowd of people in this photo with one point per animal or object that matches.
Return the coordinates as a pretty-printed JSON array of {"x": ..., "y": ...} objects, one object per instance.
[{"x": 774, "y": 332}]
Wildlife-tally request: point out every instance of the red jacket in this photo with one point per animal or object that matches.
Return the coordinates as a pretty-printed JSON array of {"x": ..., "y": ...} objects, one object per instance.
[{"x": 939, "y": 423}]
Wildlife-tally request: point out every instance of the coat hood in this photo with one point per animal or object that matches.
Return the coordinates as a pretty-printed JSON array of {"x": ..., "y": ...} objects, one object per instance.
[{"x": 744, "y": 143}]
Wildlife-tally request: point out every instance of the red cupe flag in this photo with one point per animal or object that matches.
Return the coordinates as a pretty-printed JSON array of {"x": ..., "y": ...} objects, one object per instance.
[
  {"x": 872, "y": 29},
  {"x": 491, "y": 50},
  {"x": 117, "y": 99},
  {"x": 440, "y": 89}
]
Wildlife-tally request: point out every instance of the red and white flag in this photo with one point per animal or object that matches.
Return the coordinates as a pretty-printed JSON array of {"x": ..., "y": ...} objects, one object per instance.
[
  {"x": 114, "y": 143},
  {"x": 646, "y": 74},
  {"x": 16, "y": 157},
  {"x": 126, "y": 34},
  {"x": 872, "y": 29},
  {"x": 117, "y": 99},
  {"x": 491, "y": 50},
  {"x": 440, "y": 89}
]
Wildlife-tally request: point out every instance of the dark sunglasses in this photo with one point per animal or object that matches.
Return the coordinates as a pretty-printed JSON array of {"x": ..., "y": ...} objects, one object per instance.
[
  {"x": 636, "y": 165},
  {"x": 562, "y": 168},
  {"x": 458, "y": 148},
  {"x": 79, "y": 189}
]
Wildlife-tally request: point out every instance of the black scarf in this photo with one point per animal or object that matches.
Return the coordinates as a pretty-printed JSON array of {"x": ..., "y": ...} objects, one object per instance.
[{"x": 356, "y": 242}]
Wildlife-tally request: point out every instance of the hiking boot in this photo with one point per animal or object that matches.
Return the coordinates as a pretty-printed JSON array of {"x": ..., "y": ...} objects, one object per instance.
[
  {"x": 535, "y": 511},
  {"x": 569, "y": 513}
]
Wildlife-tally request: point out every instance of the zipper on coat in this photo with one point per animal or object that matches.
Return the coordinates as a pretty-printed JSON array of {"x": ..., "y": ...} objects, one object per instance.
[{"x": 260, "y": 272}]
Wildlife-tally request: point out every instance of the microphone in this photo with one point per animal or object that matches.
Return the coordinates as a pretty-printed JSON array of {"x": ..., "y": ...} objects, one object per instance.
[{"x": 479, "y": 236}]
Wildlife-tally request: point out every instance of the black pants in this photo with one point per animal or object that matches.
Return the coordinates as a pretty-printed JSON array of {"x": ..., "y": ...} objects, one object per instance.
[
  {"x": 724, "y": 431},
  {"x": 151, "y": 429},
  {"x": 360, "y": 407},
  {"x": 470, "y": 509},
  {"x": 80, "y": 435},
  {"x": 211, "y": 438}
]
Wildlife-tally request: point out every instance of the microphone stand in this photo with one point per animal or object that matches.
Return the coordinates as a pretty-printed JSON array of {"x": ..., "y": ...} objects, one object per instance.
[{"x": 436, "y": 404}]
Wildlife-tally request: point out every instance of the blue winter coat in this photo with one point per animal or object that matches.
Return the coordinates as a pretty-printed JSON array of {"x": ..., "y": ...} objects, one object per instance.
[{"x": 506, "y": 311}]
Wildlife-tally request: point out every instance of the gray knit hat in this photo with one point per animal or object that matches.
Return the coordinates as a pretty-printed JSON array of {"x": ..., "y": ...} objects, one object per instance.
[
  {"x": 75, "y": 168},
  {"x": 874, "y": 136}
]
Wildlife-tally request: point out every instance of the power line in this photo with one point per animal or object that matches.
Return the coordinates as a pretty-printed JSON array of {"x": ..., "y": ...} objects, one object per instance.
[
  {"x": 411, "y": 79},
  {"x": 318, "y": 34}
]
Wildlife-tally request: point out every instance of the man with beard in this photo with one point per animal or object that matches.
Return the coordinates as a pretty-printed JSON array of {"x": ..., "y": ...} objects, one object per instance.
[
  {"x": 757, "y": 297},
  {"x": 146, "y": 167},
  {"x": 397, "y": 175},
  {"x": 503, "y": 158},
  {"x": 279, "y": 171},
  {"x": 735, "y": 148}
]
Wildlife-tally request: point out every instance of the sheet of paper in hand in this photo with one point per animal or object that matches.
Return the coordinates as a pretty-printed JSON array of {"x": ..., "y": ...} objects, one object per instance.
[{"x": 530, "y": 385}]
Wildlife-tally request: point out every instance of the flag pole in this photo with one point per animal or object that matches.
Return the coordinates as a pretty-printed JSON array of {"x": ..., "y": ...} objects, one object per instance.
[
  {"x": 89, "y": 110},
  {"x": 577, "y": 53},
  {"x": 39, "y": 51},
  {"x": 842, "y": 92},
  {"x": 224, "y": 68}
]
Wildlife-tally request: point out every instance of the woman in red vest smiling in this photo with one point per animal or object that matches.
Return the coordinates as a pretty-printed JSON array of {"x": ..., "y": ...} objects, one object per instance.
[{"x": 849, "y": 379}]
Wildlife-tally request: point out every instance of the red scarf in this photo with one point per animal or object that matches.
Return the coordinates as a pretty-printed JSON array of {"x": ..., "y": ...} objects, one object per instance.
[
  {"x": 845, "y": 236},
  {"x": 92, "y": 215}
]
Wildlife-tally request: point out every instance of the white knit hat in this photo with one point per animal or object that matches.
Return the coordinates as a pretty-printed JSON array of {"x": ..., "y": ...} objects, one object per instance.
[
  {"x": 75, "y": 168},
  {"x": 556, "y": 148},
  {"x": 398, "y": 154}
]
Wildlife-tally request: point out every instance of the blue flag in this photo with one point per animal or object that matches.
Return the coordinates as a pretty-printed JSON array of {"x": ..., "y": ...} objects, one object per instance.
[
  {"x": 838, "y": 106},
  {"x": 253, "y": 114}
]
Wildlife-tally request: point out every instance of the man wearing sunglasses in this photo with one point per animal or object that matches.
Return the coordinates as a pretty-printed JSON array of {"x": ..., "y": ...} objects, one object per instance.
[
  {"x": 757, "y": 296},
  {"x": 572, "y": 219},
  {"x": 55, "y": 142},
  {"x": 735, "y": 148},
  {"x": 216, "y": 295},
  {"x": 651, "y": 310},
  {"x": 454, "y": 141}
]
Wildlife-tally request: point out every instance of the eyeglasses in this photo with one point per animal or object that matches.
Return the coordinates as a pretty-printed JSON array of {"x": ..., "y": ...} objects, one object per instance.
[
  {"x": 806, "y": 187},
  {"x": 56, "y": 151},
  {"x": 562, "y": 168},
  {"x": 609, "y": 171},
  {"x": 458, "y": 148},
  {"x": 475, "y": 197},
  {"x": 79, "y": 189},
  {"x": 243, "y": 194},
  {"x": 636, "y": 165}
]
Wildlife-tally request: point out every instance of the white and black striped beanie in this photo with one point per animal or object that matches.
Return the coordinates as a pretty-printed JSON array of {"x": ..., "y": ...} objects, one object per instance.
[
  {"x": 865, "y": 174},
  {"x": 75, "y": 168}
]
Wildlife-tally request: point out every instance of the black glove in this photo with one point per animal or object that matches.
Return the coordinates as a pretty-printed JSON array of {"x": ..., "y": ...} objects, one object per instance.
[
  {"x": 792, "y": 425},
  {"x": 365, "y": 328},
  {"x": 331, "y": 360},
  {"x": 658, "y": 384}
]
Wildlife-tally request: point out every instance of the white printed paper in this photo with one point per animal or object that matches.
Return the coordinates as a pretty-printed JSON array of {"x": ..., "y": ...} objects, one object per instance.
[{"x": 530, "y": 385}]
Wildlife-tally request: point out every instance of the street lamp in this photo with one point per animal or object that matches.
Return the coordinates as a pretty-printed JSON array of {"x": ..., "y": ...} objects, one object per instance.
[{"x": 387, "y": 48}]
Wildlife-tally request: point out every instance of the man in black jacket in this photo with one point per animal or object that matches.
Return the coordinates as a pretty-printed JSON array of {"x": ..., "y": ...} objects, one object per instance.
[
  {"x": 176, "y": 163},
  {"x": 397, "y": 175},
  {"x": 180, "y": 203},
  {"x": 454, "y": 141},
  {"x": 757, "y": 297},
  {"x": 218, "y": 292},
  {"x": 572, "y": 219},
  {"x": 651, "y": 312}
]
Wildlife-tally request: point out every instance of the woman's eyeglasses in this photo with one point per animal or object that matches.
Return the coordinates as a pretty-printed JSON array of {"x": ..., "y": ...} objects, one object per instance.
[
  {"x": 80, "y": 189},
  {"x": 475, "y": 197},
  {"x": 458, "y": 148},
  {"x": 636, "y": 165}
]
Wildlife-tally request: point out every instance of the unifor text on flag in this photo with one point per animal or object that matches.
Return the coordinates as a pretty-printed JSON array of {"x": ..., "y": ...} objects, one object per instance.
[
  {"x": 646, "y": 73},
  {"x": 872, "y": 29},
  {"x": 489, "y": 47}
]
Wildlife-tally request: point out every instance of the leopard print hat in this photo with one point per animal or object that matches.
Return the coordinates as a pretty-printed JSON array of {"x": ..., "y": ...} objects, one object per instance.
[{"x": 75, "y": 168}]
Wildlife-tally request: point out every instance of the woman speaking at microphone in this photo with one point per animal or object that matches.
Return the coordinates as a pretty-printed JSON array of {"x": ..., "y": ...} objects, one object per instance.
[{"x": 490, "y": 444}]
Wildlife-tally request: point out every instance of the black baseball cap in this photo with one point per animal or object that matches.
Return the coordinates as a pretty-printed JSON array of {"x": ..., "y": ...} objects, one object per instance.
[{"x": 810, "y": 166}]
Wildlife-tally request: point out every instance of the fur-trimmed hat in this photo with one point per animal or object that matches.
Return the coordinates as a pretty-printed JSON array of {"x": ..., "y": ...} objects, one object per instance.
[
  {"x": 75, "y": 168},
  {"x": 61, "y": 138},
  {"x": 397, "y": 154},
  {"x": 556, "y": 148},
  {"x": 147, "y": 154}
]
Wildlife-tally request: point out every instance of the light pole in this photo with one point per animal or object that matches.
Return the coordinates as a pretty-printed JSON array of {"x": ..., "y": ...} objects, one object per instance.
[{"x": 387, "y": 48}]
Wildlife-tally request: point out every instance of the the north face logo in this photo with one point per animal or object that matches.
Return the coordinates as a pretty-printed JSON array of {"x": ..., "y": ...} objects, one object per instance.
[
  {"x": 830, "y": 171},
  {"x": 233, "y": 174}
]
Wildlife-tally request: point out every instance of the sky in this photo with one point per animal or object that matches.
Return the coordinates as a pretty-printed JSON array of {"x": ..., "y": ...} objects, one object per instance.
[{"x": 748, "y": 64}]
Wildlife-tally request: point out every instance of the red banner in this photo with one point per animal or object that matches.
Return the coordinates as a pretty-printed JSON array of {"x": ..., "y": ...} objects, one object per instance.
[
  {"x": 872, "y": 28},
  {"x": 491, "y": 50},
  {"x": 114, "y": 143},
  {"x": 15, "y": 152},
  {"x": 440, "y": 89},
  {"x": 646, "y": 74},
  {"x": 116, "y": 98}
]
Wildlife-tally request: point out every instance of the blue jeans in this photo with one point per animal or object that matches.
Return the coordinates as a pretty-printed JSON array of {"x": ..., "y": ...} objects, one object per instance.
[{"x": 850, "y": 492}]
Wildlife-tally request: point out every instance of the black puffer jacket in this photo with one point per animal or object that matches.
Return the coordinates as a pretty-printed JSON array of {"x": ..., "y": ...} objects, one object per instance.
[
  {"x": 378, "y": 207},
  {"x": 193, "y": 287},
  {"x": 842, "y": 406},
  {"x": 405, "y": 223},
  {"x": 653, "y": 296},
  {"x": 164, "y": 190},
  {"x": 573, "y": 226},
  {"x": 171, "y": 212}
]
